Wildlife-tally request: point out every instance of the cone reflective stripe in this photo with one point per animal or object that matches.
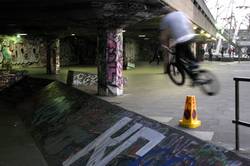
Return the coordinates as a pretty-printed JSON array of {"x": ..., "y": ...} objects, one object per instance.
[{"x": 190, "y": 117}]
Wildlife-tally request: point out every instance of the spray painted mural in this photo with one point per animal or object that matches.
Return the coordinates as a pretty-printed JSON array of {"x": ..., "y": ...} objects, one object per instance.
[
  {"x": 114, "y": 59},
  {"x": 86, "y": 79},
  {"x": 77, "y": 78},
  {"x": 9, "y": 78},
  {"x": 33, "y": 51},
  {"x": 23, "y": 51}
]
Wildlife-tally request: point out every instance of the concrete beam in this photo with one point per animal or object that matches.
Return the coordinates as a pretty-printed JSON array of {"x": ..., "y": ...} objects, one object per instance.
[{"x": 195, "y": 13}]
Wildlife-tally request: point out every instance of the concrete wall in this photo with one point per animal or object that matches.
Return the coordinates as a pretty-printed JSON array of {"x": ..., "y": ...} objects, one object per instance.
[
  {"x": 146, "y": 50},
  {"x": 33, "y": 51},
  {"x": 194, "y": 13},
  {"x": 131, "y": 51},
  {"x": 77, "y": 51},
  {"x": 24, "y": 51}
]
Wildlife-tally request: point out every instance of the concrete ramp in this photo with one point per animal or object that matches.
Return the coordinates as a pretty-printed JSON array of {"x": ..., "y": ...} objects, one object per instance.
[{"x": 72, "y": 128}]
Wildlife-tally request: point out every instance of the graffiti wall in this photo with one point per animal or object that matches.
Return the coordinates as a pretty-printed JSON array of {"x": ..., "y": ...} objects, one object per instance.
[
  {"x": 23, "y": 51},
  {"x": 74, "y": 129},
  {"x": 9, "y": 78},
  {"x": 114, "y": 59},
  {"x": 33, "y": 51},
  {"x": 147, "y": 50}
]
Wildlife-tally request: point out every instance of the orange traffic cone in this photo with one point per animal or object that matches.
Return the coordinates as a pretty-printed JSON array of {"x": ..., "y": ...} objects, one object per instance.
[{"x": 190, "y": 117}]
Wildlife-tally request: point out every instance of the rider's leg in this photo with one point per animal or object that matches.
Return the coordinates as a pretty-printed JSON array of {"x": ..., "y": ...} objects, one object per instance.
[
  {"x": 183, "y": 50},
  {"x": 188, "y": 51}
]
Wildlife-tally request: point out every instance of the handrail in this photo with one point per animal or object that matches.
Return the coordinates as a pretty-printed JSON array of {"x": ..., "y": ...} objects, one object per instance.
[
  {"x": 237, "y": 120},
  {"x": 245, "y": 79}
]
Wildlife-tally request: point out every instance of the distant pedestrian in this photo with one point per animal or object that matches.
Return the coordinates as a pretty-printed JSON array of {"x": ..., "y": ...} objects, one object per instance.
[
  {"x": 233, "y": 51},
  {"x": 157, "y": 55},
  {"x": 200, "y": 55},
  {"x": 222, "y": 51},
  {"x": 210, "y": 54},
  {"x": 229, "y": 52},
  {"x": 248, "y": 52}
]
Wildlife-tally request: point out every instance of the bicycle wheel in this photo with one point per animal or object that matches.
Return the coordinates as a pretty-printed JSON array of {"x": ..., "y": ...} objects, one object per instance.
[
  {"x": 208, "y": 82},
  {"x": 176, "y": 74}
]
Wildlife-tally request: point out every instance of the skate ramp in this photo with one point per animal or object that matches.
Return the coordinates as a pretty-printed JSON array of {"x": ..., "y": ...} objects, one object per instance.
[{"x": 73, "y": 128}]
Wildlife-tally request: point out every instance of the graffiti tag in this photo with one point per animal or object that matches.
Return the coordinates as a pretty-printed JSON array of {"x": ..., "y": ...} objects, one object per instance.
[{"x": 125, "y": 140}]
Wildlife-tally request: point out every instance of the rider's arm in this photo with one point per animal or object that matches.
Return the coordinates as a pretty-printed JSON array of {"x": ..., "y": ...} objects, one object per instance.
[{"x": 164, "y": 36}]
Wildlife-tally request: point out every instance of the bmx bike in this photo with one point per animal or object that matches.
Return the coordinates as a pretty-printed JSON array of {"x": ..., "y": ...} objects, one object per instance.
[{"x": 177, "y": 72}]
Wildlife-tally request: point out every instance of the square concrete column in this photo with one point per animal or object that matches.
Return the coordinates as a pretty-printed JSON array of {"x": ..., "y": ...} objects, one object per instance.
[
  {"x": 110, "y": 63},
  {"x": 53, "y": 56}
]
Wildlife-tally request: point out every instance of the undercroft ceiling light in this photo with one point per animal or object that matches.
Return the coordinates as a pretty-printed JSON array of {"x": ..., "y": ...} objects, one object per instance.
[
  {"x": 21, "y": 34},
  {"x": 195, "y": 27},
  {"x": 142, "y": 35},
  {"x": 207, "y": 35},
  {"x": 73, "y": 34}
]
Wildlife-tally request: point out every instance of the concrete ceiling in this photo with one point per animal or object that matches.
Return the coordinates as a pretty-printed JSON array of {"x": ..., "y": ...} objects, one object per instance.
[{"x": 61, "y": 17}]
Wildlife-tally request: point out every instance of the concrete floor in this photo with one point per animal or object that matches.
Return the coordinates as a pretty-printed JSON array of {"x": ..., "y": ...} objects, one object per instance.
[
  {"x": 151, "y": 93},
  {"x": 17, "y": 146}
]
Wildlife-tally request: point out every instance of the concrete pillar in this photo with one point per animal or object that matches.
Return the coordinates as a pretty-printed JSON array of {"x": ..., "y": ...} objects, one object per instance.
[
  {"x": 53, "y": 56},
  {"x": 110, "y": 63},
  {"x": 198, "y": 51}
]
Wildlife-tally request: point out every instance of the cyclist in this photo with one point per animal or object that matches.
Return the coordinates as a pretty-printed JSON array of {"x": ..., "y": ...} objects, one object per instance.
[{"x": 176, "y": 25}]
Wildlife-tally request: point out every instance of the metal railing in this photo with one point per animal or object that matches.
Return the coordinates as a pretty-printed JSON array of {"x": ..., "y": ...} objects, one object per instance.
[{"x": 237, "y": 120}]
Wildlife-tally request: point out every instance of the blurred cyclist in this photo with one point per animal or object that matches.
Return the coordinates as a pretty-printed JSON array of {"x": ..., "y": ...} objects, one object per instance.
[{"x": 176, "y": 25}]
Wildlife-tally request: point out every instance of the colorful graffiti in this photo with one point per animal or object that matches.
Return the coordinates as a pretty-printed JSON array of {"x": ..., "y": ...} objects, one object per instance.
[
  {"x": 22, "y": 51},
  {"x": 33, "y": 51},
  {"x": 170, "y": 149},
  {"x": 86, "y": 79},
  {"x": 126, "y": 139},
  {"x": 114, "y": 59},
  {"x": 7, "y": 79}
]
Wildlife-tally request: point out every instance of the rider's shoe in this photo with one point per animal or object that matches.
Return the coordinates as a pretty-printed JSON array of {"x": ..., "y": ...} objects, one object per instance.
[{"x": 193, "y": 66}]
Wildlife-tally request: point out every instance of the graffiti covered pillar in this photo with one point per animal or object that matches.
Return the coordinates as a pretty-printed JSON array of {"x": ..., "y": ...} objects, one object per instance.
[
  {"x": 53, "y": 56},
  {"x": 110, "y": 63}
]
